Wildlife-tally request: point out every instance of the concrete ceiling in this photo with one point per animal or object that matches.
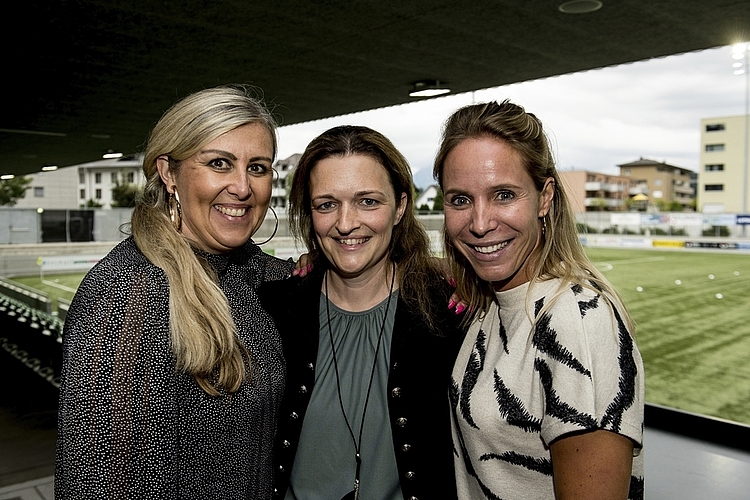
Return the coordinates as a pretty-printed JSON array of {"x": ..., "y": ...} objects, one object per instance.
[{"x": 86, "y": 76}]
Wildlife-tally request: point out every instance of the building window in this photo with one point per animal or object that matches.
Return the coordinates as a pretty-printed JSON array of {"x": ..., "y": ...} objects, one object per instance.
[
  {"x": 98, "y": 178},
  {"x": 714, "y": 127},
  {"x": 98, "y": 194},
  {"x": 81, "y": 177},
  {"x": 714, "y": 187},
  {"x": 714, "y": 147},
  {"x": 39, "y": 192},
  {"x": 131, "y": 177},
  {"x": 83, "y": 194},
  {"x": 716, "y": 167},
  {"x": 114, "y": 178}
]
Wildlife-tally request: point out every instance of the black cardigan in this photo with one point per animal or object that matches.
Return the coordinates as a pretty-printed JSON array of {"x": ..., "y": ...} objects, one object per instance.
[{"x": 421, "y": 365}]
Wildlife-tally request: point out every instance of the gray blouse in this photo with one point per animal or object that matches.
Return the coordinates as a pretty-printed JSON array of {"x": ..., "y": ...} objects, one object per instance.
[{"x": 324, "y": 467}]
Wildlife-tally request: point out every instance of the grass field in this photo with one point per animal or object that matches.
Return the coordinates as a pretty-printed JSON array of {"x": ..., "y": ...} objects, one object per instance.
[
  {"x": 693, "y": 316},
  {"x": 695, "y": 346},
  {"x": 56, "y": 285}
]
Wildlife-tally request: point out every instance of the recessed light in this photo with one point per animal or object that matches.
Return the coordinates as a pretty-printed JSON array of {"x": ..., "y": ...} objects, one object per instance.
[
  {"x": 6, "y": 177},
  {"x": 111, "y": 154},
  {"x": 49, "y": 168},
  {"x": 428, "y": 88},
  {"x": 580, "y": 6}
]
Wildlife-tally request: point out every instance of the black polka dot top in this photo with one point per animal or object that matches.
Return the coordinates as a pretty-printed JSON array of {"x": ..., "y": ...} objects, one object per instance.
[{"x": 129, "y": 425}]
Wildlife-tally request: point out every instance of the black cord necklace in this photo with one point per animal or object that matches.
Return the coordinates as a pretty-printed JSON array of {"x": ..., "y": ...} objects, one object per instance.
[{"x": 354, "y": 494}]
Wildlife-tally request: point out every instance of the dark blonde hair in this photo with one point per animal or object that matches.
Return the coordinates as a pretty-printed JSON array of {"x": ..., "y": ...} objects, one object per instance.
[
  {"x": 561, "y": 255},
  {"x": 409, "y": 247},
  {"x": 203, "y": 333}
]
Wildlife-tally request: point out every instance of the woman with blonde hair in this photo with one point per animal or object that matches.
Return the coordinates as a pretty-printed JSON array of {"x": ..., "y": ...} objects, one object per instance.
[
  {"x": 547, "y": 392},
  {"x": 172, "y": 371},
  {"x": 368, "y": 339}
]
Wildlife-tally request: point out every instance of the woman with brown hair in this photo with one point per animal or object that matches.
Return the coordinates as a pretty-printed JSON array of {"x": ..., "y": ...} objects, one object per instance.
[{"x": 368, "y": 339}]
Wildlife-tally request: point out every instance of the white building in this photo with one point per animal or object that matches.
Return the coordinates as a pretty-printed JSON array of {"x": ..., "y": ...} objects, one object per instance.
[
  {"x": 282, "y": 182},
  {"x": 73, "y": 187},
  {"x": 427, "y": 197},
  {"x": 723, "y": 183}
]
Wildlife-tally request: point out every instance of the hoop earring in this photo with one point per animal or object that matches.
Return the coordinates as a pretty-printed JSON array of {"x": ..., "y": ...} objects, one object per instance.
[
  {"x": 175, "y": 210},
  {"x": 275, "y": 228}
]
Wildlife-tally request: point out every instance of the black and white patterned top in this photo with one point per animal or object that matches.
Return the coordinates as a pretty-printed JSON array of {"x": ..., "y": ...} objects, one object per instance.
[
  {"x": 516, "y": 388},
  {"x": 129, "y": 425}
]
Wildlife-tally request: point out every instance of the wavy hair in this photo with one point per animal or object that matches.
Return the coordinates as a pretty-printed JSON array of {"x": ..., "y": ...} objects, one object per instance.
[
  {"x": 409, "y": 247},
  {"x": 203, "y": 334},
  {"x": 561, "y": 255}
]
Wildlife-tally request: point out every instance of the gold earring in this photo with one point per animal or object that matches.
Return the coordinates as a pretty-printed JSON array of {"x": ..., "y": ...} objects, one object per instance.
[{"x": 175, "y": 210}]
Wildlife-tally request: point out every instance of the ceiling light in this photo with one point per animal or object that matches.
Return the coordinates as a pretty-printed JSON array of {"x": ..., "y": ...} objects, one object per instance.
[
  {"x": 6, "y": 177},
  {"x": 111, "y": 154},
  {"x": 580, "y": 6},
  {"x": 49, "y": 168},
  {"x": 429, "y": 88}
]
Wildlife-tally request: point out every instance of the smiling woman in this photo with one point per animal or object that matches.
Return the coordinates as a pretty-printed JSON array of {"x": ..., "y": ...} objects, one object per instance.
[
  {"x": 172, "y": 371},
  {"x": 547, "y": 390},
  {"x": 226, "y": 187},
  {"x": 368, "y": 338}
]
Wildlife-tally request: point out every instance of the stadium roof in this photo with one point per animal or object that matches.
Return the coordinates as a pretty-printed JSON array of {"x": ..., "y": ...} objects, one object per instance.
[{"x": 86, "y": 76}]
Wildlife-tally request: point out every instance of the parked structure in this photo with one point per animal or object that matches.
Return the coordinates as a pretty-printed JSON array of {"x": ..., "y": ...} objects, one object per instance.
[{"x": 723, "y": 183}]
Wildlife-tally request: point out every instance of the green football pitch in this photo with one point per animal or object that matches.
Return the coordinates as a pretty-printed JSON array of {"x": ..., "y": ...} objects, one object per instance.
[{"x": 692, "y": 311}]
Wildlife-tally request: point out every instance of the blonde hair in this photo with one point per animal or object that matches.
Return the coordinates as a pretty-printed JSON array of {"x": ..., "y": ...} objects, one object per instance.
[
  {"x": 203, "y": 333},
  {"x": 561, "y": 254}
]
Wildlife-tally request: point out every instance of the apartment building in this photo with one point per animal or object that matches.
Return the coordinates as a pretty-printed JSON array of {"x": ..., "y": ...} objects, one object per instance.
[
  {"x": 76, "y": 186},
  {"x": 662, "y": 182},
  {"x": 595, "y": 191},
  {"x": 723, "y": 182},
  {"x": 282, "y": 182}
]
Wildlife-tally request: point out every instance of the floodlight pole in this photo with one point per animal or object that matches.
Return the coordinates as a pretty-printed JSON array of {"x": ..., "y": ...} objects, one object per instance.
[{"x": 747, "y": 137}]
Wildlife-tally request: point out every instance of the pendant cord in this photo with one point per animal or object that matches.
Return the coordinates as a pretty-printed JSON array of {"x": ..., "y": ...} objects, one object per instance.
[{"x": 357, "y": 443}]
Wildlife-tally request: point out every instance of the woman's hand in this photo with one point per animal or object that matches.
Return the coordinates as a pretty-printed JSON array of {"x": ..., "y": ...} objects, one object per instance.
[{"x": 303, "y": 267}]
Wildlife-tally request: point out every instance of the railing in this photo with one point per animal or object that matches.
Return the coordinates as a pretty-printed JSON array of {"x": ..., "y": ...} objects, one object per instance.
[{"x": 29, "y": 296}]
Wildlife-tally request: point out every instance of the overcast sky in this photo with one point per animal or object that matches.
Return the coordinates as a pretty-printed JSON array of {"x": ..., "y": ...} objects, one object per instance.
[{"x": 595, "y": 119}]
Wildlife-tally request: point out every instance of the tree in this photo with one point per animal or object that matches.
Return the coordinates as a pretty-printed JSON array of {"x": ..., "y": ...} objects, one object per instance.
[
  {"x": 92, "y": 203},
  {"x": 438, "y": 204},
  {"x": 124, "y": 195},
  {"x": 12, "y": 190}
]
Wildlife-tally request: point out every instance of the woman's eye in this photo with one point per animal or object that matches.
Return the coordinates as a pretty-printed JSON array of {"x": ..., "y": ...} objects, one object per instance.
[
  {"x": 369, "y": 202},
  {"x": 505, "y": 195},
  {"x": 459, "y": 201},
  {"x": 258, "y": 169},
  {"x": 322, "y": 207},
  {"x": 219, "y": 164}
]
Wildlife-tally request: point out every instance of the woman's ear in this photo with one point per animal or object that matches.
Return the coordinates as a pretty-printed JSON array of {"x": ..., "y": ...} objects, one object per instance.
[
  {"x": 166, "y": 174},
  {"x": 400, "y": 208},
  {"x": 546, "y": 197}
]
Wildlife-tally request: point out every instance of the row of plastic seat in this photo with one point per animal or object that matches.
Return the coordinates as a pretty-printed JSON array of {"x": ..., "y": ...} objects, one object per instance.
[{"x": 32, "y": 336}]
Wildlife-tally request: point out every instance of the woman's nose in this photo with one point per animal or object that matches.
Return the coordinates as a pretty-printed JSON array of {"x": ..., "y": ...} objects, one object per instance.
[
  {"x": 347, "y": 220},
  {"x": 483, "y": 219},
  {"x": 240, "y": 184}
]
